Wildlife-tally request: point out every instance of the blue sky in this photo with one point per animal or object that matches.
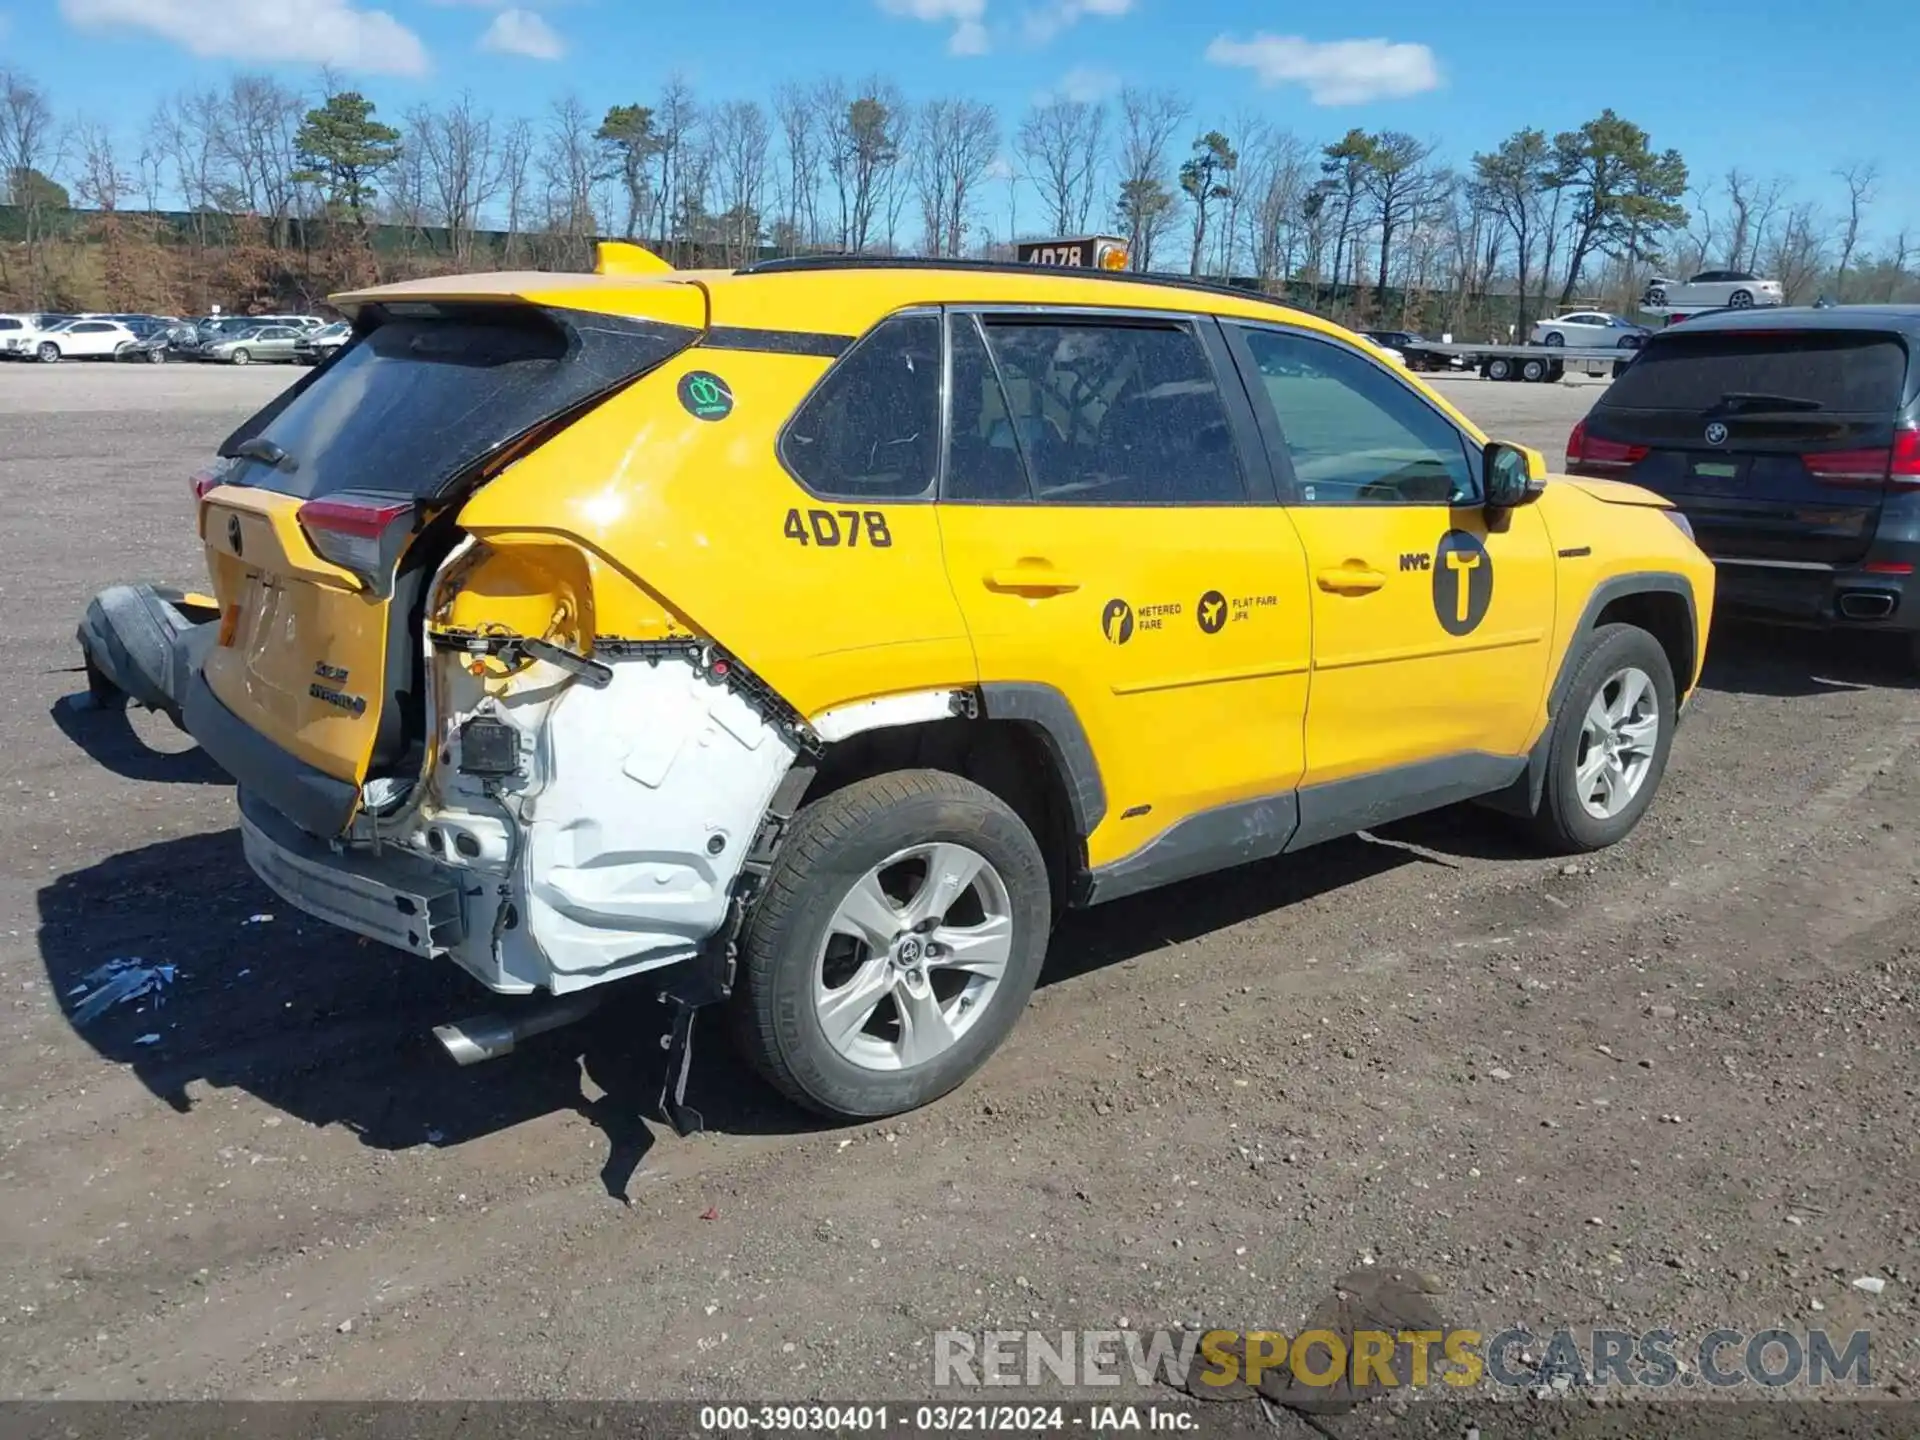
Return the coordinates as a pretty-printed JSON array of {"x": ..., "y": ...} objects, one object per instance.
[{"x": 1777, "y": 88}]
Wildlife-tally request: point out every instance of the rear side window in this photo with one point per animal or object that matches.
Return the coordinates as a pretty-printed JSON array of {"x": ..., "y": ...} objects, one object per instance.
[
  {"x": 422, "y": 398},
  {"x": 1093, "y": 413},
  {"x": 1855, "y": 373},
  {"x": 871, "y": 429}
]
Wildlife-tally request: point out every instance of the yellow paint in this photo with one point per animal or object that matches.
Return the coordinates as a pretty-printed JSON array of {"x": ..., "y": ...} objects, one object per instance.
[
  {"x": 293, "y": 611},
  {"x": 1331, "y": 657},
  {"x": 617, "y": 257}
]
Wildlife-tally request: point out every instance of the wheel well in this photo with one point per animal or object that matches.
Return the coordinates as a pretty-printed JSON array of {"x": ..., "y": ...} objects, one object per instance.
[
  {"x": 1663, "y": 615},
  {"x": 1006, "y": 757}
]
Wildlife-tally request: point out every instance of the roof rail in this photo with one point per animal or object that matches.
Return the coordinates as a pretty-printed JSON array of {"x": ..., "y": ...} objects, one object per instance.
[{"x": 801, "y": 263}]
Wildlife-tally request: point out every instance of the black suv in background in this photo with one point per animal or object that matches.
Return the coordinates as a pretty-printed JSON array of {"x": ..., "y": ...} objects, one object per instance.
[{"x": 1790, "y": 439}]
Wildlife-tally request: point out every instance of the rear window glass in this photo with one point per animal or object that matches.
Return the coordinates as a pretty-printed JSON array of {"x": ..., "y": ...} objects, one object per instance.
[
  {"x": 419, "y": 400},
  {"x": 1859, "y": 373}
]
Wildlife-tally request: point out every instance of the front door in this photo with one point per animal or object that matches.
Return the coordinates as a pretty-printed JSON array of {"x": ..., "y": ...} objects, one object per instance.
[
  {"x": 1110, "y": 531},
  {"x": 1431, "y": 624}
]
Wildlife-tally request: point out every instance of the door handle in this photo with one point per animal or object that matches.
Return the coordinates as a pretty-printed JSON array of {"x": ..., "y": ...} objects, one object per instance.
[
  {"x": 1030, "y": 580},
  {"x": 1354, "y": 579}
]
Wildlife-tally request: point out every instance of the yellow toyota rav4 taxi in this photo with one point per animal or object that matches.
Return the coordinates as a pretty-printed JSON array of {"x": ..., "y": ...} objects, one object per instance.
[{"x": 815, "y": 634}]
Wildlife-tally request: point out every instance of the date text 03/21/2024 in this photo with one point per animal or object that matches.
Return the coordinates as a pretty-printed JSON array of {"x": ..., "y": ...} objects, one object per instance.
[{"x": 944, "y": 1419}]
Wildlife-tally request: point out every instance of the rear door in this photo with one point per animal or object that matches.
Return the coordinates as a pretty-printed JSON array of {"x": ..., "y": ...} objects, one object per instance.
[
  {"x": 321, "y": 534},
  {"x": 1775, "y": 444}
]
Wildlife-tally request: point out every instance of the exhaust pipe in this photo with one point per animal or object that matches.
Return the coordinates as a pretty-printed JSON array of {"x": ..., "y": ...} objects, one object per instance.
[
  {"x": 488, "y": 1037},
  {"x": 1866, "y": 604}
]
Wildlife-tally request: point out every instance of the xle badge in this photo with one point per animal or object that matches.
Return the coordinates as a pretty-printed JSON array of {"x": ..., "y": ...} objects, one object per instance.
[
  {"x": 1116, "y": 621},
  {"x": 1212, "y": 612},
  {"x": 1462, "y": 582},
  {"x": 706, "y": 395}
]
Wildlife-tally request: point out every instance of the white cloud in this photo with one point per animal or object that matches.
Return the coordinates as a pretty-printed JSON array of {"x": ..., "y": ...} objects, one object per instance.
[
  {"x": 1087, "y": 83},
  {"x": 311, "y": 32},
  {"x": 968, "y": 18},
  {"x": 1044, "y": 22},
  {"x": 1334, "y": 72},
  {"x": 521, "y": 32}
]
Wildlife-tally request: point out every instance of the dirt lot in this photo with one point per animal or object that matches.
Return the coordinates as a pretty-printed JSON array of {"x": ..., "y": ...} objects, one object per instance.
[{"x": 1673, "y": 1086}]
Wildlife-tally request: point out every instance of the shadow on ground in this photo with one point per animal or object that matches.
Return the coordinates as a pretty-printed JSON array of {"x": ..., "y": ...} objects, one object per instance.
[
  {"x": 1748, "y": 657},
  {"x": 108, "y": 736},
  {"x": 334, "y": 1030}
]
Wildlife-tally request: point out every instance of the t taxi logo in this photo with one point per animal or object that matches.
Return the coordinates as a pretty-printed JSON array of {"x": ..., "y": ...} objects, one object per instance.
[
  {"x": 1116, "y": 621},
  {"x": 1462, "y": 582}
]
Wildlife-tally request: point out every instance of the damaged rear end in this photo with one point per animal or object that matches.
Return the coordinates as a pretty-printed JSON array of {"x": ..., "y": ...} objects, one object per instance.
[{"x": 424, "y": 723}]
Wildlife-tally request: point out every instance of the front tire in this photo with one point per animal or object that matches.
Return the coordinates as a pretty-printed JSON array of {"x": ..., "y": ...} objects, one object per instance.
[
  {"x": 48, "y": 353},
  {"x": 241, "y": 357},
  {"x": 895, "y": 946},
  {"x": 1609, "y": 744},
  {"x": 1499, "y": 368},
  {"x": 1656, "y": 298}
]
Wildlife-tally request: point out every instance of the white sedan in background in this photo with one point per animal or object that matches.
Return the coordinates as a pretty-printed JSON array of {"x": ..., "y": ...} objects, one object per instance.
[
  {"x": 84, "y": 339},
  {"x": 1735, "y": 289},
  {"x": 1592, "y": 328}
]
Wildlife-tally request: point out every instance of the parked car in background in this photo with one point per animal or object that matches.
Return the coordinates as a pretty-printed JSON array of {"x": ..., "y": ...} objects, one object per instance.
[
  {"x": 1736, "y": 289},
  {"x": 256, "y": 343},
  {"x": 1791, "y": 442},
  {"x": 84, "y": 339},
  {"x": 20, "y": 339},
  {"x": 312, "y": 349},
  {"x": 1389, "y": 353},
  {"x": 164, "y": 341},
  {"x": 1590, "y": 328}
]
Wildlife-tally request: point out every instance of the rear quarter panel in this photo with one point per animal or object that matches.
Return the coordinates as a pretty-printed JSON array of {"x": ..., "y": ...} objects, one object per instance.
[{"x": 701, "y": 514}]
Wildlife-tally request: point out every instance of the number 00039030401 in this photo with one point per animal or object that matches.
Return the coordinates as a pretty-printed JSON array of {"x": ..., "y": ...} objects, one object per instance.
[{"x": 843, "y": 528}]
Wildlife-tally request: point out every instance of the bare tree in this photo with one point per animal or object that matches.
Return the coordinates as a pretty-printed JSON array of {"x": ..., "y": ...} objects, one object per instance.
[
  {"x": 1799, "y": 254},
  {"x": 30, "y": 151},
  {"x": 676, "y": 120},
  {"x": 742, "y": 143},
  {"x": 516, "y": 161},
  {"x": 1062, "y": 147},
  {"x": 1273, "y": 169},
  {"x": 462, "y": 173},
  {"x": 253, "y": 134},
  {"x": 800, "y": 169},
  {"x": 1149, "y": 119},
  {"x": 956, "y": 141},
  {"x": 567, "y": 173},
  {"x": 1860, "y": 179}
]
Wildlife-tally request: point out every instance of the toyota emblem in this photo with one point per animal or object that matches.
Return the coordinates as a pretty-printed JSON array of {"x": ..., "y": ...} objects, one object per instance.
[
  {"x": 1716, "y": 434},
  {"x": 233, "y": 532}
]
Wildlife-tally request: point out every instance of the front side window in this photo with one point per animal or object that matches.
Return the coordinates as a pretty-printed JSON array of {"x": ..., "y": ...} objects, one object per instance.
[
  {"x": 1355, "y": 434},
  {"x": 1075, "y": 411},
  {"x": 871, "y": 428}
]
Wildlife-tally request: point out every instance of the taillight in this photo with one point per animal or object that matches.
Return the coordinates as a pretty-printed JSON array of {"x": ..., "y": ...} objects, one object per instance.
[
  {"x": 1592, "y": 452},
  {"x": 1898, "y": 465},
  {"x": 364, "y": 535},
  {"x": 206, "y": 479},
  {"x": 1903, "y": 466}
]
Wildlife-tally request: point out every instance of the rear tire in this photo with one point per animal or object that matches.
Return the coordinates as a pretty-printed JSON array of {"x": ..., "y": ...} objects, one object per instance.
[
  {"x": 1656, "y": 298},
  {"x": 1553, "y": 337},
  {"x": 1499, "y": 368},
  {"x": 1576, "y": 814},
  {"x": 1741, "y": 300},
  {"x": 1533, "y": 371},
  {"x": 800, "y": 950}
]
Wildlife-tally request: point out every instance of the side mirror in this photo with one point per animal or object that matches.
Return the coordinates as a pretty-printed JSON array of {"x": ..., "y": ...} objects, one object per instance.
[{"x": 1511, "y": 475}]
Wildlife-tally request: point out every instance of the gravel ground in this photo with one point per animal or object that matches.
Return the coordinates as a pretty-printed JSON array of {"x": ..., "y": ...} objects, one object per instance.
[{"x": 1670, "y": 1086}]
